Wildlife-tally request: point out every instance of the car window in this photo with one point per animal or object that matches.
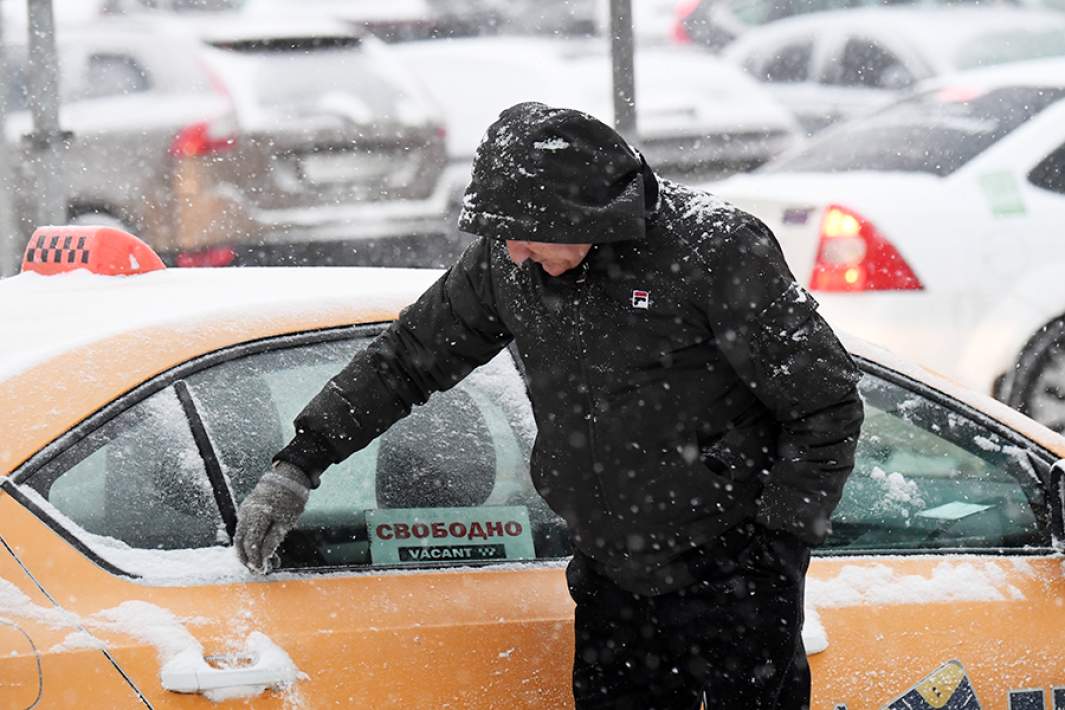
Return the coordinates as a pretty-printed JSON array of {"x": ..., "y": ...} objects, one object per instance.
[
  {"x": 933, "y": 132},
  {"x": 310, "y": 77},
  {"x": 112, "y": 75},
  {"x": 447, "y": 484},
  {"x": 788, "y": 64},
  {"x": 138, "y": 479},
  {"x": 865, "y": 63},
  {"x": 1050, "y": 173},
  {"x": 930, "y": 477},
  {"x": 749, "y": 12}
]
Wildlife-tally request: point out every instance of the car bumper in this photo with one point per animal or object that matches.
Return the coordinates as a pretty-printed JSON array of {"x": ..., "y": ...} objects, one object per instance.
[{"x": 374, "y": 220}]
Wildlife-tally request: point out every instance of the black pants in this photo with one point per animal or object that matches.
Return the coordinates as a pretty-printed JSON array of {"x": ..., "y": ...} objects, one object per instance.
[{"x": 735, "y": 635}]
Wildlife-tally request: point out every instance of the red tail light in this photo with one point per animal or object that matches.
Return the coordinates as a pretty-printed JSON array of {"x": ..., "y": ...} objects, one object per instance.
[
  {"x": 682, "y": 12},
  {"x": 853, "y": 256},
  {"x": 214, "y": 256},
  {"x": 200, "y": 139}
]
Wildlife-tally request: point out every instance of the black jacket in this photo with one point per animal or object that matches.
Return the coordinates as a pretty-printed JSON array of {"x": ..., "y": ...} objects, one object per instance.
[{"x": 681, "y": 380}]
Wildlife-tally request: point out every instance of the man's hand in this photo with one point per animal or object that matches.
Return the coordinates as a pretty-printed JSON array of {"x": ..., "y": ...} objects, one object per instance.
[{"x": 268, "y": 513}]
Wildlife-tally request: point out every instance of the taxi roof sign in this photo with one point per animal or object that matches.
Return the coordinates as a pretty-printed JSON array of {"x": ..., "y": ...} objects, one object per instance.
[{"x": 100, "y": 250}]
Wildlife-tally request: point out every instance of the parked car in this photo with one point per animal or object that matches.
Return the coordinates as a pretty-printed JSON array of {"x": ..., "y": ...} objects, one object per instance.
[
  {"x": 338, "y": 153},
  {"x": 135, "y": 423},
  {"x": 716, "y": 23},
  {"x": 696, "y": 116},
  {"x": 236, "y": 142},
  {"x": 836, "y": 65},
  {"x": 398, "y": 20},
  {"x": 74, "y": 13},
  {"x": 125, "y": 99},
  {"x": 933, "y": 227}
]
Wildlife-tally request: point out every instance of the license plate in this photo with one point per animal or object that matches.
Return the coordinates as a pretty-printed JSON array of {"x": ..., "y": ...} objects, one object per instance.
[{"x": 327, "y": 168}]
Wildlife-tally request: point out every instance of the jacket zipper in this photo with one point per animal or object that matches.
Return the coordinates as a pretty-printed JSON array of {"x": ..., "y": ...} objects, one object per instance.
[{"x": 591, "y": 415}]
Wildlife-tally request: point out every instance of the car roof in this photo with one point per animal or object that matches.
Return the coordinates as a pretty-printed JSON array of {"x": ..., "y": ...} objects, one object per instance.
[
  {"x": 217, "y": 28},
  {"x": 1035, "y": 72},
  {"x": 566, "y": 71},
  {"x": 937, "y": 31},
  {"x": 79, "y": 341}
]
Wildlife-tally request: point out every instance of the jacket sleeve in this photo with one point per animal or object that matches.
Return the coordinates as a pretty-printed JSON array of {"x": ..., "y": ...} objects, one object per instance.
[
  {"x": 449, "y": 331},
  {"x": 768, "y": 327}
]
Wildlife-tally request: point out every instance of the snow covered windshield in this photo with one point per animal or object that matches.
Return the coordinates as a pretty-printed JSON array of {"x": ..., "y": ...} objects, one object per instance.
[{"x": 934, "y": 132}]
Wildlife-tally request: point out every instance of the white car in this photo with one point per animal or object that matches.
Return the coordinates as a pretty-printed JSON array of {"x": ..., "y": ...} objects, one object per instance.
[
  {"x": 694, "y": 112},
  {"x": 830, "y": 66},
  {"x": 935, "y": 228}
]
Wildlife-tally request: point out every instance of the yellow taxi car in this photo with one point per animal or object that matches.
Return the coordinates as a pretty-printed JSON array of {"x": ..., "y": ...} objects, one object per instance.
[{"x": 137, "y": 410}]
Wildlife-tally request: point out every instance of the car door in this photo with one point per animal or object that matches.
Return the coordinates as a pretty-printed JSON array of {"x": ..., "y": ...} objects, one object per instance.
[
  {"x": 41, "y": 662},
  {"x": 939, "y": 586},
  {"x": 425, "y": 571}
]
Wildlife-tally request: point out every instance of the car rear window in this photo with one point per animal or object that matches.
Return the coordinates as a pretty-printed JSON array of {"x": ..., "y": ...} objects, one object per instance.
[
  {"x": 304, "y": 72},
  {"x": 287, "y": 45},
  {"x": 933, "y": 132}
]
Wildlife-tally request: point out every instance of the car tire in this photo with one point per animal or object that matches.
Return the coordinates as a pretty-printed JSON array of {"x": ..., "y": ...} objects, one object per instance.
[{"x": 1038, "y": 387}]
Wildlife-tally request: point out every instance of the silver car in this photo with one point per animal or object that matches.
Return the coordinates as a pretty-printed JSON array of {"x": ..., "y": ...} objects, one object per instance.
[
  {"x": 227, "y": 143},
  {"x": 833, "y": 66}
]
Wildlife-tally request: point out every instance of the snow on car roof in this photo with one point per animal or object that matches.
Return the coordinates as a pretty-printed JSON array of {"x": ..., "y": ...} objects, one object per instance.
[
  {"x": 681, "y": 91},
  {"x": 144, "y": 324},
  {"x": 939, "y": 33},
  {"x": 1036, "y": 72},
  {"x": 225, "y": 27},
  {"x": 44, "y": 316}
]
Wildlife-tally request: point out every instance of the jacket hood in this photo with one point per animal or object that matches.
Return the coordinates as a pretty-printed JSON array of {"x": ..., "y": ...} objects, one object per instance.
[{"x": 556, "y": 175}]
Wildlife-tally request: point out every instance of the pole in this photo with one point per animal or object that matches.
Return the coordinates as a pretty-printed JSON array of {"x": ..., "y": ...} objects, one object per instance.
[
  {"x": 10, "y": 241},
  {"x": 622, "y": 49},
  {"x": 47, "y": 140}
]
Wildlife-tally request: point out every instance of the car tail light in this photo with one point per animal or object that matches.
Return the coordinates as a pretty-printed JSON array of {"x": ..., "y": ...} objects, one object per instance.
[
  {"x": 854, "y": 256},
  {"x": 683, "y": 11},
  {"x": 199, "y": 139},
  {"x": 214, "y": 256}
]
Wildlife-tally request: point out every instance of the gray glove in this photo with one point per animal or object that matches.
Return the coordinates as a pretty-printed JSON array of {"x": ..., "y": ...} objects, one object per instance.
[{"x": 268, "y": 513}]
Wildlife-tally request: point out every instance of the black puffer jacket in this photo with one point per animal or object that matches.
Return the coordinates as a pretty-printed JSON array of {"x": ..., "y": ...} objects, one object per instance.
[{"x": 681, "y": 380}]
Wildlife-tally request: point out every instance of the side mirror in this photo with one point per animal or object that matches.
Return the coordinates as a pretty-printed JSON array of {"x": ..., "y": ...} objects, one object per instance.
[{"x": 1056, "y": 498}]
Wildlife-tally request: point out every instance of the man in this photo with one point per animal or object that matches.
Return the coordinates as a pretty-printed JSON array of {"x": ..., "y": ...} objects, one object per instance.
[{"x": 696, "y": 417}]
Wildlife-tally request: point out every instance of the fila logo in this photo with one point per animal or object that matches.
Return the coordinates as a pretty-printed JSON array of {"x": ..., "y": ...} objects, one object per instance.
[{"x": 641, "y": 299}]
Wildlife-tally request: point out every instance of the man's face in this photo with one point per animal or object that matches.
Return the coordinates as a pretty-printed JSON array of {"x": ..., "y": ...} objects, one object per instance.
[{"x": 555, "y": 259}]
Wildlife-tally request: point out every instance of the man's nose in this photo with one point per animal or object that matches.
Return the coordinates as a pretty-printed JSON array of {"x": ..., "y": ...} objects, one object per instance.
[{"x": 518, "y": 251}]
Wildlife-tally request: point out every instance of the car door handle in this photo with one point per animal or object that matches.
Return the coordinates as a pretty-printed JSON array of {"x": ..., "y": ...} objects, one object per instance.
[{"x": 188, "y": 673}]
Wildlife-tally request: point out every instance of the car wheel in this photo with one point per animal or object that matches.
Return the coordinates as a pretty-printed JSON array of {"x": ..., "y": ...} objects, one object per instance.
[{"x": 1039, "y": 382}]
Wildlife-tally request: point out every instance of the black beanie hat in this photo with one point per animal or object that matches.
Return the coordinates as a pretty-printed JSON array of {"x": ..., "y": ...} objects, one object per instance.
[{"x": 555, "y": 175}]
